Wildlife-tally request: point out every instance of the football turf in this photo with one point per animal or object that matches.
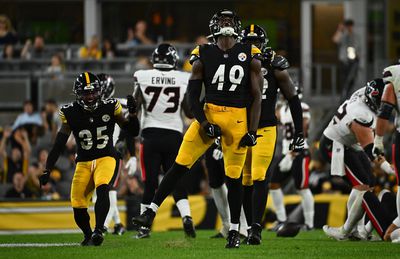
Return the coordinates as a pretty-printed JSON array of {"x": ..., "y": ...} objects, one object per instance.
[{"x": 172, "y": 244}]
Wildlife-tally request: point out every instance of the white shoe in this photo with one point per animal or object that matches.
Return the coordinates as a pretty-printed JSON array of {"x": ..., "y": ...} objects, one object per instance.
[{"x": 336, "y": 233}]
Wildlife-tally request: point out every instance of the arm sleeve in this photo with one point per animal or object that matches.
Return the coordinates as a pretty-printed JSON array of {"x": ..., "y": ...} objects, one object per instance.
[
  {"x": 132, "y": 126},
  {"x": 297, "y": 114},
  {"x": 194, "y": 91},
  {"x": 58, "y": 148}
]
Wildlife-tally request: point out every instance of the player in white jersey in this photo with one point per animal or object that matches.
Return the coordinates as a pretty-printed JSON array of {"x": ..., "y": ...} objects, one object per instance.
[
  {"x": 390, "y": 101},
  {"x": 347, "y": 143},
  {"x": 119, "y": 137},
  {"x": 295, "y": 165},
  {"x": 160, "y": 92}
]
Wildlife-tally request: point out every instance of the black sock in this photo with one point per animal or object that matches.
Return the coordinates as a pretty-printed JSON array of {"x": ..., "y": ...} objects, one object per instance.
[
  {"x": 247, "y": 203},
  {"x": 260, "y": 195},
  {"x": 102, "y": 205},
  {"x": 82, "y": 219},
  {"x": 234, "y": 198},
  {"x": 376, "y": 213},
  {"x": 167, "y": 185}
]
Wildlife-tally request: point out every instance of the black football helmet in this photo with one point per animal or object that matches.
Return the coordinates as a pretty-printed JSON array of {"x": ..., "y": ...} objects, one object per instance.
[
  {"x": 87, "y": 89},
  {"x": 373, "y": 93},
  {"x": 165, "y": 56},
  {"x": 225, "y": 23},
  {"x": 107, "y": 85},
  {"x": 256, "y": 35}
]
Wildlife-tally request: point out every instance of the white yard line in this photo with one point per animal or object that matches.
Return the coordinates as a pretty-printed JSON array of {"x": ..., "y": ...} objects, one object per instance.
[
  {"x": 39, "y": 231},
  {"x": 38, "y": 244}
]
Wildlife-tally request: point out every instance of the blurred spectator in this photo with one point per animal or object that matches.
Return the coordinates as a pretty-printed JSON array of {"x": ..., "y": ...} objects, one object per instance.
[
  {"x": 51, "y": 116},
  {"x": 19, "y": 190},
  {"x": 142, "y": 62},
  {"x": 8, "y": 52},
  {"x": 56, "y": 68},
  {"x": 7, "y": 33},
  {"x": 92, "y": 51},
  {"x": 49, "y": 192},
  {"x": 348, "y": 54},
  {"x": 35, "y": 51},
  {"x": 108, "y": 49},
  {"x": 199, "y": 41},
  {"x": 18, "y": 160},
  {"x": 138, "y": 36},
  {"x": 30, "y": 120}
]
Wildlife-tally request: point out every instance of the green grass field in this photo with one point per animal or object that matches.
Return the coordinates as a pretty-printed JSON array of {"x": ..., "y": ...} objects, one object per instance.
[{"x": 173, "y": 245}]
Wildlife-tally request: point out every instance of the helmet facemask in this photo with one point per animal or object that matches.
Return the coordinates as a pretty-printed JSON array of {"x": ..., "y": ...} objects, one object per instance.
[
  {"x": 373, "y": 93},
  {"x": 89, "y": 96},
  {"x": 225, "y": 23}
]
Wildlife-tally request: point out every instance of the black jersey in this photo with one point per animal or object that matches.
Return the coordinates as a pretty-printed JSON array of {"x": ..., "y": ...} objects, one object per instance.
[
  {"x": 93, "y": 131},
  {"x": 270, "y": 90},
  {"x": 226, "y": 73}
]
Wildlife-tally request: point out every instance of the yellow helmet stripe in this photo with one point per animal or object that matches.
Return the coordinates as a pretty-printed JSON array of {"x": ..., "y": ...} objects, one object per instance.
[
  {"x": 252, "y": 28},
  {"x": 87, "y": 78}
]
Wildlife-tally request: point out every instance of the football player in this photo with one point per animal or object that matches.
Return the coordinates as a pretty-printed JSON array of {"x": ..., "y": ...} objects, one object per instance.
[
  {"x": 108, "y": 89},
  {"x": 259, "y": 157},
  {"x": 231, "y": 73},
  {"x": 160, "y": 92},
  {"x": 347, "y": 144},
  {"x": 390, "y": 97},
  {"x": 91, "y": 120},
  {"x": 295, "y": 165}
]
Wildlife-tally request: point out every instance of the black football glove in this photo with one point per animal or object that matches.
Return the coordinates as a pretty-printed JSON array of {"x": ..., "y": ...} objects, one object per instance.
[
  {"x": 249, "y": 139},
  {"x": 44, "y": 178},
  {"x": 131, "y": 103},
  {"x": 212, "y": 130},
  {"x": 297, "y": 144}
]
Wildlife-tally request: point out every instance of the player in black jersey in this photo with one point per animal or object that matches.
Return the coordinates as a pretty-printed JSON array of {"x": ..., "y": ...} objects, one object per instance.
[
  {"x": 259, "y": 157},
  {"x": 92, "y": 122},
  {"x": 231, "y": 72}
]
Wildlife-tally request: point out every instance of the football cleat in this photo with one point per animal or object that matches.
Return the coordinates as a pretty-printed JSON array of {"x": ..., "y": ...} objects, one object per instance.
[
  {"x": 119, "y": 229},
  {"x": 97, "y": 237},
  {"x": 306, "y": 228},
  {"x": 277, "y": 226},
  {"x": 336, "y": 233},
  {"x": 145, "y": 219},
  {"x": 254, "y": 234},
  {"x": 188, "y": 227},
  {"x": 143, "y": 232},
  {"x": 87, "y": 241},
  {"x": 288, "y": 229},
  {"x": 233, "y": 239},
  {"x": 104, "y": 230}
]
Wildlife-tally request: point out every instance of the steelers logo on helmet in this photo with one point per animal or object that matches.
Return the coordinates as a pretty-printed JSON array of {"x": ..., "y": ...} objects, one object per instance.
[
  {"x": 107, "y": 85},
  {"x": 256, "y": 35},
  {"x": 165, "y": 56},
  {"x": 242, "y": 56},
  {"x": 225, "y": 23},
  {"x": 87, "y": 90},
  {"x": 373, "y": 93}
]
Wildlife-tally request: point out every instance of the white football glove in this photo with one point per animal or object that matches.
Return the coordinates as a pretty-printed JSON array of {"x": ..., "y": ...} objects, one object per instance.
[
  {"x": 131, "y": 165},
  {"x": 286, "y": 163},
  {"x": 387, "y": 168}
]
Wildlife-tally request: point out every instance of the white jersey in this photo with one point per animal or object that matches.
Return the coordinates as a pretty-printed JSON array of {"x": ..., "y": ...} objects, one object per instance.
[
  {"x": 117, "y": 129},
  {"x": 354, "y": 109},
  {"x": 392, "y": 74},
  {"x": 288, "y": 126},
  {"x": 162, "y": 93}
]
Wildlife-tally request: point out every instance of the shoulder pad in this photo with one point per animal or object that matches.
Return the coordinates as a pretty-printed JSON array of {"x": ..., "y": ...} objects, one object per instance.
[
  {"x": 194, "y": 55},
  {"x": 63, "y": 110},
  {"x": 362, "y": 116},
  {"x": 305, "y": 107},
  {"x": 392, "y": 74},
  {"x": 280, "y": 62}
]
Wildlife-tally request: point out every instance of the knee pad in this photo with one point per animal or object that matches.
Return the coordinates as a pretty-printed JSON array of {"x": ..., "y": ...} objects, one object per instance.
[{"x": 258, "y": 174}]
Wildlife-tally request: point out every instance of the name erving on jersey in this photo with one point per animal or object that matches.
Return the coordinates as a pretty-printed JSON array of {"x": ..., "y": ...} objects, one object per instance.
[{"x": 157, "y": 80}]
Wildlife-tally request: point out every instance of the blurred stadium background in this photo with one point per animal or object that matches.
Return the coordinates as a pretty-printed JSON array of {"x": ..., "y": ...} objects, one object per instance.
[{"x": 44, "y": 45}]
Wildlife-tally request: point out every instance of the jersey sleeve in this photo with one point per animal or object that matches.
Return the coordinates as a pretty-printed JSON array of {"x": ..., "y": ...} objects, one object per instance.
[
  {"x": 362, "y": 117},
  {"x": 256, "y": 53},
  {"x": 194, "y": 55},
  {"x": 117, "y": 108},
  {"x": 280, "y": 62}
]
